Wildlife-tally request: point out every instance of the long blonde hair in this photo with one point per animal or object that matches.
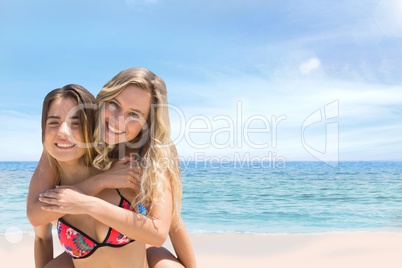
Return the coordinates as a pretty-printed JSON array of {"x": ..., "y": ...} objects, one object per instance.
[{"x": 159, "y": 153}]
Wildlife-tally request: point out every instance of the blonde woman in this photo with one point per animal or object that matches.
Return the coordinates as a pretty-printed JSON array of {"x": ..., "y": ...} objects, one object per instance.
[{"x": 133, "y": 121}]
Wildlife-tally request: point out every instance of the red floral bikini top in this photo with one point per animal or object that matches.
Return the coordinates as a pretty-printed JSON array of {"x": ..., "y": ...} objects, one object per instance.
[{"x": 79, "y": 245}]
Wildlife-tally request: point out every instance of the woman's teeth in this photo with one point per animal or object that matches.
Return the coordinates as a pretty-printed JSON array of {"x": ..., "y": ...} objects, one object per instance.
[
  {"x": 114, "y": 130},
  {"x": 65, "y": 145}
]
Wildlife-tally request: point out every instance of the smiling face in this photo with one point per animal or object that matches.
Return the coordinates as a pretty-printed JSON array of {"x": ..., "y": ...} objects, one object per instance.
[
  {"x": 63, "y": 131},
  {"x": 125, "y": 115}
]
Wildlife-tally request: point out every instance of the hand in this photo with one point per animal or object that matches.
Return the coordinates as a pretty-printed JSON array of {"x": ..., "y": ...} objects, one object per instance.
[
  {"x": 123, "y": 174},
  {"x": 65, "y": 199}
]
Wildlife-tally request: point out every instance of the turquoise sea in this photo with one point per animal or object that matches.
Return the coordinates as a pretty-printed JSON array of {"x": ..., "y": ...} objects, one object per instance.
[{"x": 298, "y": 197}]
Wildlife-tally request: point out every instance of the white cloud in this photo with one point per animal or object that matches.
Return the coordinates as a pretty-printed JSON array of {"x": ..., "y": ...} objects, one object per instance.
[
  {"x": 310, "y": 65},
  {"x": 388, "y": 16}
]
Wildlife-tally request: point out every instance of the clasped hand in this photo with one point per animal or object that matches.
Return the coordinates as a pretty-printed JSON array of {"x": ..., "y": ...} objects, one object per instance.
[
  {"x": 70, "y": 200},
  {"x": 64, "y": 199}
]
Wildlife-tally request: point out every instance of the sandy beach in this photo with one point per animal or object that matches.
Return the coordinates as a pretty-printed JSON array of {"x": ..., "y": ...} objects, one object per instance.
[{"x": 376, "y": 249}]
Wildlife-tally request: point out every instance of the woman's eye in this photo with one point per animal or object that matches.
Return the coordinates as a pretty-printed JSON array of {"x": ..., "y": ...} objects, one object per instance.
[
  {"x": 134, "y": 115},
  {"x": 112, "y": 106},
  {"x": 75, "y": 123},
  {"x": 53, "y": 123}
]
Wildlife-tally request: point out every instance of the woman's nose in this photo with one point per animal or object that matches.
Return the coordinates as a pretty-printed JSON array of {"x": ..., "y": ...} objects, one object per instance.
[
  {"x": 117, "y": 120},
  {"x": 64, "y": 130}
]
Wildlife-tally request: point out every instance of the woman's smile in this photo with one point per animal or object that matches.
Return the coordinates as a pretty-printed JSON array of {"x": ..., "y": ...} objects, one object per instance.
[
  {"x": 114, "y": 130},
  {"x": 65, "y": 144}
]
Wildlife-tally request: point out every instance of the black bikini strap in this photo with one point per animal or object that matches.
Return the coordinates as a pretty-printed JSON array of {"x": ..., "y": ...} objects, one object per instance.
[{"x": 119, "y": 193}]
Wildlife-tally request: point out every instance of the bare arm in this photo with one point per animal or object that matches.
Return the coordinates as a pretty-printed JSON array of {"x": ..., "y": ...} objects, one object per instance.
[
  {"x": 43, "y": 178},
  {"x": 121, "y": 175},
  {"x": 43, "y": 245},
  {"x": 150, "y": 229},
  {"x": 182, "y": 244}
]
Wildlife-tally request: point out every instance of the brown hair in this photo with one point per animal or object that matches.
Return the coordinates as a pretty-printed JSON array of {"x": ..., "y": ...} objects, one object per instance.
[{"x": 85, "y": 113}]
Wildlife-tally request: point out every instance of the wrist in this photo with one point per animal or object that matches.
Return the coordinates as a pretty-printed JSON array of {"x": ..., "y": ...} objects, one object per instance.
[
  {"x": 89, "y": 186},
  {"x": 91, "y": 205},
  {"x": 99, "y": 183}
]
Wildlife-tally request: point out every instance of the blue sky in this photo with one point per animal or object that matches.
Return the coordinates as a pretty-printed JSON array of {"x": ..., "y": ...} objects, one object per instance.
[{"x": 274, "y": 80}]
